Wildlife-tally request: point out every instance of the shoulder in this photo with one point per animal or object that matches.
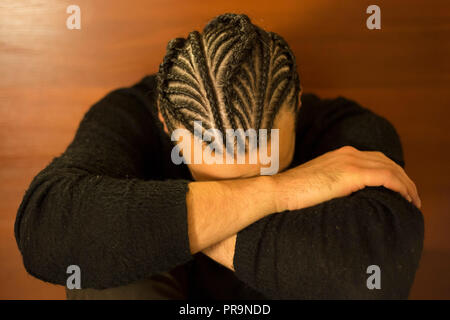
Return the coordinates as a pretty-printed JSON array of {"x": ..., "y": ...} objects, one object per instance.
[{"x": 327, "y": 124}]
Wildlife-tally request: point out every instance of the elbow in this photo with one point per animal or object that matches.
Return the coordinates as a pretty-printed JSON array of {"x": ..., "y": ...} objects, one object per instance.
[
  {"x": 387, "y": 250},
  {"x": 405, "y": 258},
  {"x": 397, "y": 251},
  {"x": 40, "y": 257},
  {"x": 41, "y": 250}
]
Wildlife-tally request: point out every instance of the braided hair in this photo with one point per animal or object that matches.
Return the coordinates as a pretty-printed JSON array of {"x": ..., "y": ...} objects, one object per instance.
[{"x": 233, "y": 75}]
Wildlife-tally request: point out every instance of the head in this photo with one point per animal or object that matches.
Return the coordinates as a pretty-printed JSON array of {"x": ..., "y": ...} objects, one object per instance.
[{"x": 233, "y": 76}]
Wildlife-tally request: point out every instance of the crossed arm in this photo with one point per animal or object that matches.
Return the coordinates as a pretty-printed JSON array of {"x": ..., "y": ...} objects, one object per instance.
[
  {"x": 323, "y": 248},
  {"x": 103, "y": 206}
]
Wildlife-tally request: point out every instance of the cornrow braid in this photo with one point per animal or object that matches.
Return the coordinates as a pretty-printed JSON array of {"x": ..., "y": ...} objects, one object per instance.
[{"x": 233, "y": 75}]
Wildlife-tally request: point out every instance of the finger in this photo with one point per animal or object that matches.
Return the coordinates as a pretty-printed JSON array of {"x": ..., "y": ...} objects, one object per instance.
[
  {"x": 377, "y": 177},
  {"x": 410, "y": 186},
  {"x": 393, "y": 178},
  {"x": 380, "y": 158},
  {"x": 404, "y": 177}
]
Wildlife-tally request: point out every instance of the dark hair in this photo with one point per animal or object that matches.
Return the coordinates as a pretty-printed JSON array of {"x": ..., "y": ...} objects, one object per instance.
[{"x": 233, "y": 75}]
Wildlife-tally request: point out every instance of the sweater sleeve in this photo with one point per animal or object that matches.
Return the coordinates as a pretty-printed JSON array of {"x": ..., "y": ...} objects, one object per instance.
[
  {"x": 101, "y": 204},
  {"x": 324, "y": 251}
]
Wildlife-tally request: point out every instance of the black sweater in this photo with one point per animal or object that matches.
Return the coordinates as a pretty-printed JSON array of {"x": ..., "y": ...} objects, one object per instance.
[{"x": 114, "y": 204}]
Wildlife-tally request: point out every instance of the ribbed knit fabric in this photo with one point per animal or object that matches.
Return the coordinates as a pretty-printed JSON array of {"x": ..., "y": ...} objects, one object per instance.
[{"x": 114, "y": 204}]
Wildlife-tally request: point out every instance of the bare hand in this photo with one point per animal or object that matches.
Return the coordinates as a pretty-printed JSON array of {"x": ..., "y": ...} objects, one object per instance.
[{"x": 337, "y": 174}]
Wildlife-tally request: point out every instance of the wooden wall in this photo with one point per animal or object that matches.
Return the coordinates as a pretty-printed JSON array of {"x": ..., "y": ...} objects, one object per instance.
[{"x": 50, "y": 76}]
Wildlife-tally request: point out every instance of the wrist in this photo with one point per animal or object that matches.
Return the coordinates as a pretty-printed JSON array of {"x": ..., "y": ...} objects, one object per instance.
[
  {"x": 290, "y": 190},
  {"x": 278, "y": 197},
  {"x": 267, "y": 195}
]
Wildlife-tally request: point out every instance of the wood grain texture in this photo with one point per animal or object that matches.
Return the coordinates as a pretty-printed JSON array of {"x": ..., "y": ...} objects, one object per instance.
[{"x": 50, "y": 76}]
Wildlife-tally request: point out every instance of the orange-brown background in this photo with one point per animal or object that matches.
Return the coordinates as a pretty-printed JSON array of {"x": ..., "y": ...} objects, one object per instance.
[{"x": 50, "y": 76}]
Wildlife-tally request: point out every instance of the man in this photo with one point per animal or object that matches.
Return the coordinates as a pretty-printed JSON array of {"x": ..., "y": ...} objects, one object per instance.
[{"x": 139, "y": 226}]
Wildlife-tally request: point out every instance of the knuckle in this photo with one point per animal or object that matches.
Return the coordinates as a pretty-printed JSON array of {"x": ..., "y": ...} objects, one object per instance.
[
  {"x": 347, "y": 149},
  {"x": 387, "y": 173},
  {"x": 397, "y": 169},
  {"x": 381, "y": 155},
  {"x": 400, "y": 169},
  {"x": 349, "y": 168},
  {"x": 347, "y": 162}
]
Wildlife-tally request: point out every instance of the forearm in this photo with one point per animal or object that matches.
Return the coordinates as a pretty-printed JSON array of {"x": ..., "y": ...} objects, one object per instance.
[
  {"x": 324, "y": 251},
  {"x": 220, "y": 209},
  {"x": 116, "y": 230}
]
